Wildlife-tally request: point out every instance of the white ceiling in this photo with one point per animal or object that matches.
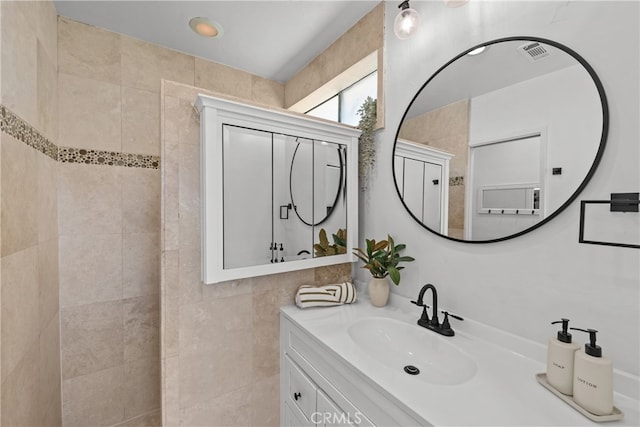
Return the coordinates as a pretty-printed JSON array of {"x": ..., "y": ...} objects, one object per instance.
[
  {"x": 499, "y": 66},
  {"x": 272, "y": 39}
]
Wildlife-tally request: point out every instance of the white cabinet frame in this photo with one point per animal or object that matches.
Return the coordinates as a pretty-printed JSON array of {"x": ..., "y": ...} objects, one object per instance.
[
  {"x": 424, "y": 153},
  {"x": 214, "y": 112}
]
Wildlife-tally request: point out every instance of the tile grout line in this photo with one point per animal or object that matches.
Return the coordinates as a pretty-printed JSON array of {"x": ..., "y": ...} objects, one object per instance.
[{"x": 14, "y": 126}]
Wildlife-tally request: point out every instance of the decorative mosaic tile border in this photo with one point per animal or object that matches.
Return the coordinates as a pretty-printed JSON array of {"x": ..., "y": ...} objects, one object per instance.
[
  {"x": 456, "y": 180},
  {"x": 111, "y": 158},
  {"x": 14, "y": 126}
]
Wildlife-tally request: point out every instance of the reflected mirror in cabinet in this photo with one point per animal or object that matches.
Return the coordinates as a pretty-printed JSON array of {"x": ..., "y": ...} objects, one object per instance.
[
  {"x": 271, "y": 181},
  {"x": 526, "y": 123}
]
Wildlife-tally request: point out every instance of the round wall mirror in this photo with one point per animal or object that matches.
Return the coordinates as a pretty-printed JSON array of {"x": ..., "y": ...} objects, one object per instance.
[
  {"x": 315, "y": 180},
  {"x": 500, "y": 140}
]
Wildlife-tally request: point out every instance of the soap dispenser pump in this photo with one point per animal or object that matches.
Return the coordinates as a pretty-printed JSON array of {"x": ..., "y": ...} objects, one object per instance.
[
  {"x": 560, "y": 359},
  {"x": 593, "y": 377}
]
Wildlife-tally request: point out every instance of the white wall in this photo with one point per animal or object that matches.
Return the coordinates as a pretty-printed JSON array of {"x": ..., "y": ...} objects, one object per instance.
[
  {"x": 565, "y": 106},
  {"x": 521, "y": 285}
]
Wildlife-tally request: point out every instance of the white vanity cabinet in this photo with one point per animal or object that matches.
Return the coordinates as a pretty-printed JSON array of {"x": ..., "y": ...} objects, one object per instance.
[
  {"x": 319, "y": 388},
  {"x": 304, "y": 404}
]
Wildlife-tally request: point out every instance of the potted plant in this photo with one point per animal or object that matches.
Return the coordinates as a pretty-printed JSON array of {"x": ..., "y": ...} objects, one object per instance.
[
  {"x": 382, "y": 259},
  {"x": 339, "y": 246},
  {"x": 367, "y": 141}
]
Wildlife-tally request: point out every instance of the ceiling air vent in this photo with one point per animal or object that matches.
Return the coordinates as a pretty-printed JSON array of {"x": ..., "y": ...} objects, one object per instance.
[{"x": 533, "y": 51}]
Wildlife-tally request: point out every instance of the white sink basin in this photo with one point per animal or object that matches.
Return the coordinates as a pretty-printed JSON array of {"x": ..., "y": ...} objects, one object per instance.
[{"x": 397, "y": 344}]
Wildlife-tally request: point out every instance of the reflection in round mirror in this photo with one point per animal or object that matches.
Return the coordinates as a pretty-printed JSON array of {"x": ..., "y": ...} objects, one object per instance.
[
  {"x": 315, "y": 180},
  {"x": 523, "y": 124}
]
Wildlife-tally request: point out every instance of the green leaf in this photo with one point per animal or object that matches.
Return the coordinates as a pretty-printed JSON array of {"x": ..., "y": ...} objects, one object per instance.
[
  {"x": 395, "y": 275},
  {"x": 406, "y": 259}
]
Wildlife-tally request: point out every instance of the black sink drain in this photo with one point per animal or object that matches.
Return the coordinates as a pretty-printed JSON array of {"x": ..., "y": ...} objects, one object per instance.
[{"x": 411, "y": 370}]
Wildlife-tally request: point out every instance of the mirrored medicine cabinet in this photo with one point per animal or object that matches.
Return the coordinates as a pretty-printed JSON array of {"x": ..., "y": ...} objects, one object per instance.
[{"x": 274, "y": 184}]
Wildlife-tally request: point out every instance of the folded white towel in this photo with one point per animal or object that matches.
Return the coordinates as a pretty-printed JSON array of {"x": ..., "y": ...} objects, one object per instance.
[{"x": 324, "y": 296}]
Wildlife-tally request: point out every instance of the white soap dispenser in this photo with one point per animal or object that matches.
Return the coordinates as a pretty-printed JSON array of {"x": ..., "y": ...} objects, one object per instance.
[
  {"x": 593, "y": 378},
  {"x": 560, "y": 358}
]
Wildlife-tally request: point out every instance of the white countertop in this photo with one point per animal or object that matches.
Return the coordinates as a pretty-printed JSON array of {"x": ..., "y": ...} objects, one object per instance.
[{"x": 503, "y": 392}]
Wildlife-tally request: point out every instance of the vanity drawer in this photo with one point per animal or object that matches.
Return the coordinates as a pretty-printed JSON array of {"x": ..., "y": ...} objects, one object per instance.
[{"x": 301, "y": 390}]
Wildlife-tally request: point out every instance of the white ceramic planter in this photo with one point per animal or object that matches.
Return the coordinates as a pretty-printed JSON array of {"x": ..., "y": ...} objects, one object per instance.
[{"x": 379, "y": 291}]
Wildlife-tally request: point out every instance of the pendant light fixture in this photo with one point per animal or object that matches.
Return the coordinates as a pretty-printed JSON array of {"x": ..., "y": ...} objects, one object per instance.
[{"x": 407, "y": 22}]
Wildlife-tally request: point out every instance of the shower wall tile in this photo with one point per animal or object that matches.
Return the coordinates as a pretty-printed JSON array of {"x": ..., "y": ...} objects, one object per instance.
[
  {"x": 266, "y": 334},
  {"x": 90, "y": 269},
  {"x": 140, "y": 200},
  {"x": 189, "y": 183},
  {"x": 96, "y": 399},
  {"x": 90, "y": 113},
  {"x": 47, "y": 93},
  {"x": 150, "y": 419},
  {"x": 87, "y": 51},
  {"x": 227, "y": 289},
  {"x": 144, "y": 65},
  {"x": 90, "y": 199},
  {"x": 223, "y": 79},
  {"x": 170, "y": 391},
  {"x": 265, "y": 402},
  {"x": 170, "y": 268},
  {"x": 230, "y": 409},
  {"x": 207, "y": 375},
  {"x": 47, "y": 198},
  {"x": 49, "y": 290},
  {"x": 29, "y": 316},
  {"x": 267, "y": 92},
  {"x": 140, "y": 121},
  {"x": 141, "y": 327},
  {"x": 140, "y": 264},
  {"x": 171, "y": 322},
  {"x": 19, "y": 60},
  {"x": 207, "y": 326},
  {"x": 20, "y": 315},
  {"x": 141, "y": 386},
  {"x": 92, "y": 338},
  {"x": 47, "y": 29},
  {"x": 19, "y": 196},
  {"x": 189, "y": 278},
  {"x": 50, "y": 376},
  {"x": 21, "y": 393}
]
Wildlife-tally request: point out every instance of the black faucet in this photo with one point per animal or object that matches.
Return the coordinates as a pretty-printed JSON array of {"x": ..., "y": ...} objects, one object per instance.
[{"x": 434, "y": 324}]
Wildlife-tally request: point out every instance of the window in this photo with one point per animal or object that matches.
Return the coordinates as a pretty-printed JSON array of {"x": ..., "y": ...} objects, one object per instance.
[{"x": 344, "y": 106}]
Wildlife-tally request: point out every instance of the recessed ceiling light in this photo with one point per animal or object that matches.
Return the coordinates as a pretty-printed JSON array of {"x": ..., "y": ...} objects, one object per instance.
[
  {"x": 477, "y": 51},
  {"x": 206, "y": 27}
]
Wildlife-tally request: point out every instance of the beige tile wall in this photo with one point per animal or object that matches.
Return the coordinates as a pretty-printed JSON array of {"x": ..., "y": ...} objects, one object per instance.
[
  {"x": 219, "y": 342},
  {"x": 29, "y": 308},
  {"x": 365, "y": 37},
  {"x": 109, "y": 99},
  {"x": 446, "y": 128}
]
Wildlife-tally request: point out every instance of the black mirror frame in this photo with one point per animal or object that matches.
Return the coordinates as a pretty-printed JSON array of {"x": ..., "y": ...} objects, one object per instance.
[
  {"x": 590, "y": 173},
  {"x": 339, "y": 190}
]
